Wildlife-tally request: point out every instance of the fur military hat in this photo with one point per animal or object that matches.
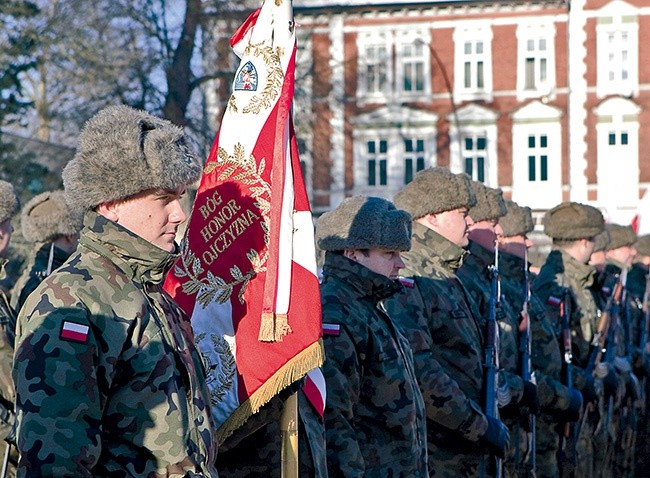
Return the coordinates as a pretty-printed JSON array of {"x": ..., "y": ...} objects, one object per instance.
[
  {"x": 518, "y": 220},
  {"x": 601, "y": 241},
  {"x": 435, "y": 190},
  {"x": 489, "y": 203},
  {"x": 362, "y": 222},
  {"x": 47, "y": 216},
  {"x": 573, "y": 221},
  {"x": 642, "y": 245},
  {"x": 9, "y": 203},
  {"x": 620, "y": 236},
  {"x": 123, "y": 151}
]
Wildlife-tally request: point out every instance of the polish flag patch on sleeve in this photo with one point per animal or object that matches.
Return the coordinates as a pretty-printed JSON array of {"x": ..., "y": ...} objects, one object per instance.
[
  {"x": 407, "y": 282},
  {"x": 74, "y": 332},
  {"x": 554, "y": 301},
  {"x": 332, "y": 330}
]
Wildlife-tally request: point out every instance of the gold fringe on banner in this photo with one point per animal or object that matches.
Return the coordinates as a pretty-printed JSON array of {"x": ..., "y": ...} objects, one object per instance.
[
  {"x": 273, "y": 327},
  {"x": 294, "y": 369}
]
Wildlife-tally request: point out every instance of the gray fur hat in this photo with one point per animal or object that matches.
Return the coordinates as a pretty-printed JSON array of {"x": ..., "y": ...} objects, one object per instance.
[
  {"x": 601, "y": 241},
  {"x": 435, "y": 190},
  {"x": 362, "y": 222},
  {"x": 642, "y": 245},
  {"x": 518, "y": 220},
  {"x": 573, "y": 221},
  {"x": 9, "y": 203},
  {"x": 620, "y": 236},
  {"x": 123, "y": 151},
  {"x": 489, "y": 203},
  {"x": 47, "y": 216}
]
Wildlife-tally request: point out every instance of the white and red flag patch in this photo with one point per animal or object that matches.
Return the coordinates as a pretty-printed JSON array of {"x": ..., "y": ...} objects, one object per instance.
[
  {"x": 554, "y": 301},
  {"x": 247, "y": 271},
  {"x": 74, "y": 332}
]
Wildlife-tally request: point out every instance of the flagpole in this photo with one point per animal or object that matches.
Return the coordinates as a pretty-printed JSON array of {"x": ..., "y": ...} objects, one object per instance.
[{"x": 289, "y": 429}]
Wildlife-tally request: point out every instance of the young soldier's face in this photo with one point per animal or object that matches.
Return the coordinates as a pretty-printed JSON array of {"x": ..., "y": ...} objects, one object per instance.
[
  {"x": 485, "y": 233},
  {"x": 454, "y": 225},
  {"x": 624, "y": 254},
  {"x": 380, "y": 261},
  {"x": 154, "y": 215}
]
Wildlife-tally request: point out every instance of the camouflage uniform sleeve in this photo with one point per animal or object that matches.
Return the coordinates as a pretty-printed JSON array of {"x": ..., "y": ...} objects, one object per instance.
[
  {"x": 446, "y": 404},
  {"x": 342, "y": 370},
  {"x": 58, "y": 401}
]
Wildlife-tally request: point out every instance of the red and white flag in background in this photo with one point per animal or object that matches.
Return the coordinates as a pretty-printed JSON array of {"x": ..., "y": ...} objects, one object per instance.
[{"x": 247, "y": 272}]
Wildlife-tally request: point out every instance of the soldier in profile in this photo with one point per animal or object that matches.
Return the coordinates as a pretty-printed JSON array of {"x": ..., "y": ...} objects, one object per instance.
[
  {"x": 374, "y": 413},
  {"x": 108, "y": 380}
]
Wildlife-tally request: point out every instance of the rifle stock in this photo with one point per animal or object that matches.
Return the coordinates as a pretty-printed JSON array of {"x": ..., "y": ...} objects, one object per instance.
[{"x": 567, "y": 459}]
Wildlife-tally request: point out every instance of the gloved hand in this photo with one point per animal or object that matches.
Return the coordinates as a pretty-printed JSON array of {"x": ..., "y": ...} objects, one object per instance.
[
  {"x": 589, "y": 393},
  {"x": 496, "y": 439},
  {"x": 530, "y": 400},
  {"x": 632, "y": 387}
]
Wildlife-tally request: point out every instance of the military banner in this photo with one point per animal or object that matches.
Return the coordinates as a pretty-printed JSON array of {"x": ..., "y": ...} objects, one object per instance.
[{"x": 247, "y": 272}]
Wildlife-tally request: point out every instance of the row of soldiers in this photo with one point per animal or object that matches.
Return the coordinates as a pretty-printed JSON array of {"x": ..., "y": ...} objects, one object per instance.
[
  {"x": 445, "y": 355},
  {"x": 519, "y": 374}
]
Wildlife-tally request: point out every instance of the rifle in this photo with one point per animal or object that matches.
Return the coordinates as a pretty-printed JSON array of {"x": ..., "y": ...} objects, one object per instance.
[
  {"x": 567, "y": 461},
  {"x": 491, "y": 352},
  {"x": 604, "y": 329},
  {"x": 525, "y": 366}
]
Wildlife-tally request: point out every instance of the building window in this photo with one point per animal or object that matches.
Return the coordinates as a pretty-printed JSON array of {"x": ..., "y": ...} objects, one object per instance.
[
  {"x": 473, "y": 65},
  {"x": 536, "y": 60},
  {"x": 413, "y": 67},
  {"x": 474, "y": 154},
  {"x": 473, "y": 58},
  {"x": 538, "y": 157},
  {"x": 617, "y": 56},
  {"x": 413, "y": 158},
  {"x": 374, "y": 65},
  {"x": 377, "y": 154}
]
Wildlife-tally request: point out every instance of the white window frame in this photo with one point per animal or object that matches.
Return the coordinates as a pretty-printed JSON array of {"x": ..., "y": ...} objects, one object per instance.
[
  {"x": 617, "y": 172},
  {"x": 417, "y": 40},
  {"x": 474, "y": 120},
  {"x": 617, "y": 25},
  {"x": 366, "y": 40},
  {"x": 537, "y": 119},
  {"x": 536, "y": 34},
  {"x": 473, "y": 33},
  {"x": 394, "y": 125}
]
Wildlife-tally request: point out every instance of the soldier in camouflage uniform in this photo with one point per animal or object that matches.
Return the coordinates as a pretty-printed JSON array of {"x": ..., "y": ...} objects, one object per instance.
[
  {"x": 520, "y": 397},
  {"x": 48, "y": 223},
  {"x": 108, "y": 380},
  {"x": 573, "y": 227},
  {"x": 620, "y": 253},
  {"x": 8, "y": 207},
  {"x": 374, "y": 413},
  {"x": 558, "y": 403},
  {"x": 444, "y": 327}
]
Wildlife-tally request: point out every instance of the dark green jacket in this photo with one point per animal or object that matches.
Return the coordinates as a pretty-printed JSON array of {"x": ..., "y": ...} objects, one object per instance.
[{"x": 374, "y": 414}]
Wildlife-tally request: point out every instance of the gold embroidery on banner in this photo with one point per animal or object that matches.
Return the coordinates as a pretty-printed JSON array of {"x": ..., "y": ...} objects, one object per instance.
[
  {"x": 244, "y": 169},
  {"x": 274, "y": 77}
]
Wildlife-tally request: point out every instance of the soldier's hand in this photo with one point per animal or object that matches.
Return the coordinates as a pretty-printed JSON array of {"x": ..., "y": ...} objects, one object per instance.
[{"x": 496, "y": 438}]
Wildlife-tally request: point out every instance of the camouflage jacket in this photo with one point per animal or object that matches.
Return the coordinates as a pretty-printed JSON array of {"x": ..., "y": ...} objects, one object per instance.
[
  {"x": 374, "y": 415},
  {"x": 35, "y": 272},
  {"x": 7, "y": 328},
  {"x": 446, "y": 337},
  {"x": 108, "y": 380},
  {"x": 561, "y": 273},
  {"x": 546, "y": 359},
  {"x": 476, "y": 277}
]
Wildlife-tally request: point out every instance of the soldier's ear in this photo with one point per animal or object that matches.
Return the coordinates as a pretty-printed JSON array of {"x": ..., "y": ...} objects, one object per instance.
[
  {"x": 109, "y": 210},
  {"x": 350, "y": 254},
  {"x": 431, "y": 219}
]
